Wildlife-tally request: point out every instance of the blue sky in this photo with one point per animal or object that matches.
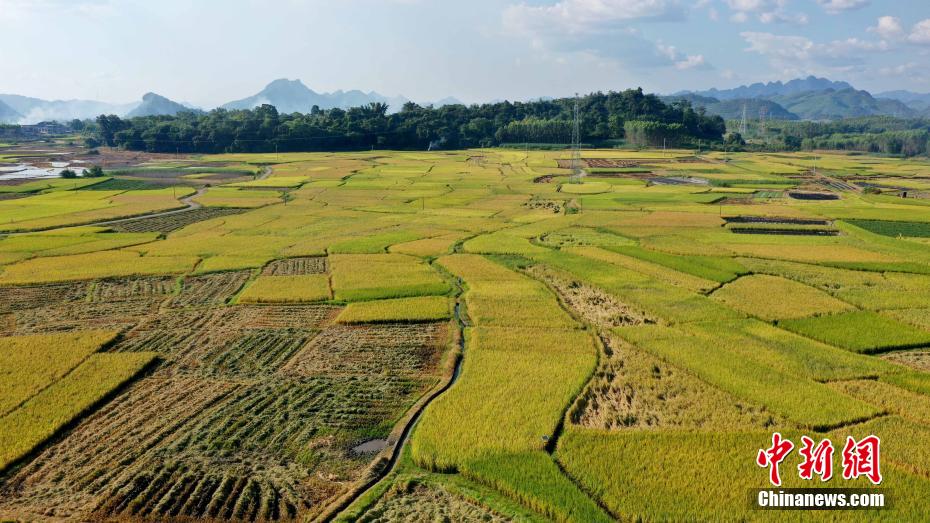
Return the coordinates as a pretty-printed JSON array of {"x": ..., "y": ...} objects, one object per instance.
[{"x": 212, "y": 51}]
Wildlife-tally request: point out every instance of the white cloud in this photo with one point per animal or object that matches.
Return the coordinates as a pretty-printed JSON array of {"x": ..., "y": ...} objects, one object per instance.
[
  {"x": 898, "y": 70},
  {"x": 888, "y": 27},
  {"x": 920, "y": 34},
  {"x": 682, "y": 61},
  {"x": 793, "y": 55},
  {"x": 766, "y": 11},
  {"x": 692, "y": 62},
  {"x": 835, "y": 7},
  {"x": 601, "y": 31},
  {"x": 578, "y": 16}
]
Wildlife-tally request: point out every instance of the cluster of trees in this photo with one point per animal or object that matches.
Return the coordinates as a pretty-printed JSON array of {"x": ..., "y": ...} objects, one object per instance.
[
  {"x": 904, "y": 143},
  {"x": 875, "y": 134},
  {"x": 653, "y": 134},
  {"x": 94, "y": 172},
  {"x": 603, "y": 117}
]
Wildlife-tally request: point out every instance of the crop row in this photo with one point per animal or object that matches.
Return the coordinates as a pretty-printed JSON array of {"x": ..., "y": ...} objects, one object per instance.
[{"x": 175, "y": 221}]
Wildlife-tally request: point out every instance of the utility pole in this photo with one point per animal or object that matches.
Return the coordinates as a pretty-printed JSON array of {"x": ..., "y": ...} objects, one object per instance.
[{"x": 576, "y": 142}]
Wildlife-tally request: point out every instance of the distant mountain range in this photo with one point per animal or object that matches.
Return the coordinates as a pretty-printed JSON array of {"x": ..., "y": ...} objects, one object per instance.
[
  {"x": 733, "y": 109},
  {"x": 33, "y": 110},
  {"x": 918, "y": 101},
  {"x": 288, "y": 96},
  {"x": 768, "y": 90},
  {"x": 292, "y": 96},
  {"x": 809, "y": 98},
  {"x": 8, "y": 114}
]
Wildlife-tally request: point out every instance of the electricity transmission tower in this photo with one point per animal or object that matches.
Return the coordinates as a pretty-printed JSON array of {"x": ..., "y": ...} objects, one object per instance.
[
  {"x": 576, "y": 143},
  {"x": 743, "y": 123},
  {"x": 763, "y": 113}
]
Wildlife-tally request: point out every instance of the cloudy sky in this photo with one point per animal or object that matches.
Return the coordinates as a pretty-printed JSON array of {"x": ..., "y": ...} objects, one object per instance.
[{"x": 212, "y": 51}]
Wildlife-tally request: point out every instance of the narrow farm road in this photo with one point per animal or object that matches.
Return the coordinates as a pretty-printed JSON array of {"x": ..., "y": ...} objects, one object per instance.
[
  {"x": 189, "y": 202},
  {"x": 460, "y": 323}
]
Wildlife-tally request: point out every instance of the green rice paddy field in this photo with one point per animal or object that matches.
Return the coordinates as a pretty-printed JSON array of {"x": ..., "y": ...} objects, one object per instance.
[{"x": 615, "y": 349}]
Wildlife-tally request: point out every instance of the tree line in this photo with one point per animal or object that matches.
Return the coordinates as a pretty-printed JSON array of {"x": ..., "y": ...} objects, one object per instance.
[
  {"x": 873, "y": 134},
  {"x": 604, "y": 117}
]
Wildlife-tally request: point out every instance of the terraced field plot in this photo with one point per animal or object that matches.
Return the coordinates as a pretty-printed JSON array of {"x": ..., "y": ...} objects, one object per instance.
[{"x": 595, "y": 336}]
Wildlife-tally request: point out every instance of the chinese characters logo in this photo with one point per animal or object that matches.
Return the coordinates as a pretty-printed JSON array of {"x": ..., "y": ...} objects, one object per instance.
[{"x": 859, "y": 458}]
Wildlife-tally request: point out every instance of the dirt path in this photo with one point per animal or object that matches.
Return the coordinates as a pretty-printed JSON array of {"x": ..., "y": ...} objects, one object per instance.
[
  {"x": 188, "y": 201},
  {"x": 333, "y": 512}
]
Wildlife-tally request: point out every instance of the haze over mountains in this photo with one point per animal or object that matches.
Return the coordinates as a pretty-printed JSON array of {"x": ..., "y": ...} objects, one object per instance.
[
  {"x": 808, "y": 98},
  {"x": 291, "y": 96},
  {"x": 33, "y": 110},
  {"x": 287, "y": 96}
]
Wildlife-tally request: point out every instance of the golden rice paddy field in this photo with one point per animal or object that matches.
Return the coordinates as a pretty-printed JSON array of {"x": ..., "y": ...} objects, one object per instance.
[{"x": 460, "y": 336}]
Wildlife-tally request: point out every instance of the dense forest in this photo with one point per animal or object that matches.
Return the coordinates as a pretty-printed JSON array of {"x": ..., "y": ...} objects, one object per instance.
[{"x": 603, "y": 118}]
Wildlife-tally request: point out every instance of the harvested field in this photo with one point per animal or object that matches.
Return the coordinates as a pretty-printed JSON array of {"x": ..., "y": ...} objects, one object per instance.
[
  {"x": 192, "y": 319},
  {"x": 209, "y": 290},
  {"x": 154, "y": 288},
  {"x": 262, "y": 424},
  {"x": 172, "y": 222},
  {"x": 36, "y": 296},
  {"x": 235, "y": 438},
  {"x": 813, "y": 196},
  {"x": 679, "y": 180},
  {"x": 418, "y": 502},
  {"x": 207, "y": 489},
  {"x": 594, "y": 305},
  {"x": 636, "y": 390},
  {"x": 390, "y": 349},
  {"x": 108, "y": 315},
  {"x": 255, "y": 352},
  {"x": 916, "y": 359},
  {"x": 287, "y": 316},
  {"x": 62, "y": 483},
  {"x": 775, "y": 220},
  {"x": 603, "y": 163},
  {"x": 297, "y": 266},
  {"x": 785, "y": 232}
]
